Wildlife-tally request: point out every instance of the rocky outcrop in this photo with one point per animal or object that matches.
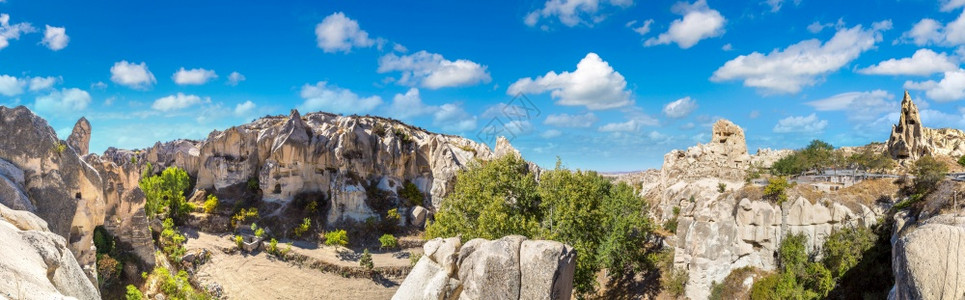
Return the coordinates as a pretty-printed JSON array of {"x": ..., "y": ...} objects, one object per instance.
[
  {"x": 36, "y": 263},
  {"x": 724, "y": 157},
  {"x": 927, "y": 260},
  {"x": 910, "y": 139},
  {"x": 508, "y": 268},
  {"x": 79, "y": 138},
  {"x": 124, "y": 201},
  {"x": 341, "y": 157}
]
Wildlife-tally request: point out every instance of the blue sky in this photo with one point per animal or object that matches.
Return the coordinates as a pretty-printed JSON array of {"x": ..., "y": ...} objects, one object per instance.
[{"x": 617, "y": 83}]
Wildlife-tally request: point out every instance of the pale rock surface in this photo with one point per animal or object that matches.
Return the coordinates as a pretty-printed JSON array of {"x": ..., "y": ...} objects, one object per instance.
[
  {"x": 928, "y": 260},
  {"x": 508, "y": 268},
  {"x": 339, "y": 156},
  {"x": 36, "y": 263},
  {"x": 79, "y": 138},
  {"x": 910, "y": 139}
]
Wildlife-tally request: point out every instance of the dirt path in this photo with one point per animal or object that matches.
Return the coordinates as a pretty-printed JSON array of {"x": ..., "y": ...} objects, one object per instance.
[{"x": 260, "y": 276}]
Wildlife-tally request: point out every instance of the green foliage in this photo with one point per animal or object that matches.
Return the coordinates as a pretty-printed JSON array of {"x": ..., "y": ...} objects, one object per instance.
[
  {"x": 260, "y": 232},
  {"x": 133, "y": 293},
  {"x": 366, "y": 260},
  {"x": 961, "y": 161},
  {"x": 414, "y": 258},
  {"x": 172, "y": 241},
  {"x": 108, "y": 269},
  {"x": 103, "y": 240},
  {"x": 388, "y": 241},
  {"x": 133, "y": 159},
  {"x": 176, "y": 287},
  {"x": 843, "y": 249},
  {"x": 733, "y": 285},
  {"x": 403, "y": 137},
  {"x": 604, "y": 222},
  {"x": 871, "y": 161},
  {"x": 312, "y": 207},
  {"x": 210, "y": 204},
  {"x": 775, "y": 189},
  {"x": 676, "y": 282},
  {"x": 244, "y": 215},
  {"x": 393, "y": 215},
  {"x": 928, "y": 172},
  {"x": 253, "y": 184},
  {"x": 303, "y": 228},
  {"x": 59, "y": 148},
  {"x": 239, "y": 241},
  {"x": 378, "y": 129},
  {"x": 273, "y": 246},
  {"x": 165, "y": 193},
  {"x": 336, "y": 238},
  {"x": 410, "y": 192},
  {"x": 721, "y": 187}
]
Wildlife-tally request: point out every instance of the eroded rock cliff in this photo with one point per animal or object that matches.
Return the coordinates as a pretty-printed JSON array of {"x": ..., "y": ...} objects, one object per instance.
[
  {"x": 910, "y": 139},
  {"x": 508, "y": 268},
  {"x": 927, "y": 258}
]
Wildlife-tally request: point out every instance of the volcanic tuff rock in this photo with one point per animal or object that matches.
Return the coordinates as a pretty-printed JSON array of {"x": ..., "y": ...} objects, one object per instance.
[
  {"x": 79, "y": 138},
  {"x": 340, "y": 156},
  {"x": 910, "y": 139},
  {"x": 508, "y": 268},
  {"x": 36, "y": 263},
  {"x": 927, "y": 259}
]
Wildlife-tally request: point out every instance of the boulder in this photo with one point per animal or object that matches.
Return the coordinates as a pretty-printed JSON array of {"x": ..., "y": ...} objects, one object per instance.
[
  {"x": 927, "y": 261},
  {"x": 508, "y": 268},
  {"x": 419, "y": 216}
]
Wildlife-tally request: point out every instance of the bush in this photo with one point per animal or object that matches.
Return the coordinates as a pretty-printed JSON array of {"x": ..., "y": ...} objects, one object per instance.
[
  {"x": 775, "y": 189},
  {"x": 366, "y": 260},
  {"x": 843, "y": 249},
  {"x": 177, "y": 286},
  {"x": 273, "y": 247},
  {"x": 411, "y": 193},
  {"x": 260, "y": 232},
  {"x": 133, "y": 293},
  {"x": 336, "y": 238},
  {"x": 961, "y": 161},
  {"x": 303, "y": 228},
  {"x": 244, "y": 215},
  {"x": 605, "y": 222},
  {"x": 721, "y": 187},
  {"x": 928, "y": 172},
  {"x": 164, "y": 193},
  {"x": 388, "y": 241},
  {"x": 211, "y": 204},
  {"x": 414, "y": 258},
  {"x": 675, "y": 283},
  {"x": 108, "y": 269},
  {"x": 733, "y": 285},
  {"x": 253, "y": 184},
  {"x": 239, "y": 241},
  {"x": 172, "y": 241},
  {"x": 765, "y": 288},
  {"x": 103, "y": 240}
]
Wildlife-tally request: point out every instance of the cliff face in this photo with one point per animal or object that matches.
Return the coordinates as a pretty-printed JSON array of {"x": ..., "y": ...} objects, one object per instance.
[
  {"x": 339, "y": 156},
  {"x": 910, "y": 139}
]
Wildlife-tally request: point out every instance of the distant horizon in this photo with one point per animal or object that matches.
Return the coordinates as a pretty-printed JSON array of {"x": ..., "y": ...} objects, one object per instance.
[{"x": 605, "y": 85}]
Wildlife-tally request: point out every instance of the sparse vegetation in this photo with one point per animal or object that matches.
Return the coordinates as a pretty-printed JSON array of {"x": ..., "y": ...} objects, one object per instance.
[
  {"x": 776, "y": 189},
  {"x": 928, "y": 172},
  {"x": 961, "y": 161},
  {"x": 388, "y": 241},
  {"x": 414, "y": 258},
  {"x": 818, "y": 155},
  {"x": 60, "y": 148},
  {"x": 177, "y": 286},
  {"x": 336, "y": 238},
  {"x": 403, "y": 137},
  {"x": 721, "y": 187},
  {"x": 675, "y": 283},
  {"x": 172, "y": 242},
  {"x": 210, "y": 204},
  {"x": 501, "y": 197},
  {"x": 303, "y": 227},
  {"x": 244, "y": 215},
  {"x": 273, "y": 247},
  {"x": 366, "y": 260},
  {"x": 133, "y": 293},
  {"x": 411, "y": 193},
  {"x": 733, "y": 285},
  {"x": 253, "y": 184},
  {"x": 239, "y": 241},
  {"x": 671, "y": 224}
]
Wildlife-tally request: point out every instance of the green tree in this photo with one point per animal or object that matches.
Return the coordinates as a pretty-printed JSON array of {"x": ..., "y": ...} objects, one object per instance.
[
  {"x": 928, "y": 172},
  {"x": 164, "y": 193},
  {"x": 844, "y": 248},
  {"x": 336, "y": 238},
  {"x": 211, "y": 203},
  {"x": 775, "y": 189},
  {"x": 133, "y": 293},
  {"x": 366, "y": 260}
]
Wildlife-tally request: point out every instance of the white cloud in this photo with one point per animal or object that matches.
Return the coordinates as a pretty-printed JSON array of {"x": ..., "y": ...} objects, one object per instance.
[
  {"x": 243, "y": 109},
  {"x": 175, "y": 102},
  {"x": 923, "y": 62},
  {"x": 754, "y": 114},
  {"x": 234, "y": 78},
  {"x": 11, "y": 86},
  {"x": 55, "y": 38},
  {"x": 727, "y": 47},
  {"x": 950, "y": 5},
  {"x": 42, "y": 83},
  {"x": 818, "y": 26},
  {"x": 63, "y": 101},
  {"x": 552, "y": 133},
  {"x": 594, "y": 84},
  {"x": 861, "y": 107},
  {"x": 698, "y": 22},
  {"x": 399, "y": 48},
  {"x": 680, "y": 108},
  {"x": 11, "y": 32},
  {"x": 135, "y": 76},
  {"x": 100, "y": 85},
  {"x": 574, "y": 12},
  {"x": 338, "y": 33},
  {"x": 801, "y": 64},
  {"x": 451, "y": 117},
  {"x": 950, "y": 88},
  {"x": 324, "y": 97},
  {"x": 801, "y": 124},
  {"x": 929, "y": 31},
  {"x": 631, "y": 125},
  {"x": 193, "y": 77},
  {"x": 642, "y": 29},
  {"x": 566, "y": 120},
  {"x": 431, "y": 70},
  {"x": 410, "y": 105}
]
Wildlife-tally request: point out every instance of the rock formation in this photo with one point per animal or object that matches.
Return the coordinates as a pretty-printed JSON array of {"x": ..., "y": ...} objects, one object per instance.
[
  {"x": 910, "y": 139},
  {"x": 928, "y": 260},
  {"x": 36, "y": 263},
  {"x": 338, "y": 156},
  {"x": 79, "y": 138},
  {"x": 508, "y": 268}
]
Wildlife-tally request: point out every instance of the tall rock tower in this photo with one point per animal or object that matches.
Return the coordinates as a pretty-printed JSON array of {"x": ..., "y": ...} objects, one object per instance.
[{"x": 907, "y": 137}]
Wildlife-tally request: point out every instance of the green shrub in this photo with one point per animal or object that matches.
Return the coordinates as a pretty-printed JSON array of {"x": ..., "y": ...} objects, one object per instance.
[
  {"x": 260, "y": 232},
  {"x": 164, "y": 193},
  {"x": 177, "y": 286},
  {"x": 210, "y": 204},
  {"x": 239, "y": 241},
  {"x": 103, "y": 240},
  {"x": 605, "y": 222},
  {"x": 928, "y": 172},
  {"x": 961, "y": 161},
  {"x": 366, "y": 260},
  {"x": 273, "y": 247},
  {"x": 775, "y": 189},
  {"x": 844, "y": 248},
  {"x": 393, "y": 215},
  {"x": 388, "y": 241},
  {"x": 288, "y": 248},
  {"x": 60, "y": 148},
  {"x": 336, "y": 238},
  {"x": 410, "y": 192},
  {"x": 172, "y": 241},
  {"x": 675, "y": 283},
  {"x": 253, "y": 184},
  {"x": 765, "y": 288},
  {"x": 303, "y": 228},
  {"x": 244, "y": 215},
  {"x": 133, "y": 293},
  {"x": 721, "y": 187}
]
